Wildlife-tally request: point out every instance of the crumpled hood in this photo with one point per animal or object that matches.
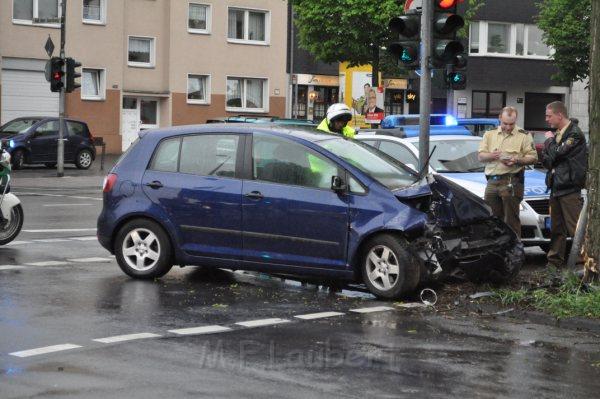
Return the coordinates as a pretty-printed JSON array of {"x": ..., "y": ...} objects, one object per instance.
[{"x": 535, "y": 182}]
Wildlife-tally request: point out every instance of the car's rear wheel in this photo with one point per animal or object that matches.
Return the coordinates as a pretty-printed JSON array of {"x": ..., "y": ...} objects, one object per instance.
[
  {"x": 84, "y": 159},
  {"x": 389, "y": 270},
  {"x": 17, "y": 159},
  {"x": 143, "y": 249}
]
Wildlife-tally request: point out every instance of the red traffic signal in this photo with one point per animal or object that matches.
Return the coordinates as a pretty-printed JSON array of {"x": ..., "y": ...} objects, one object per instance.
[
  {"x": 446, "y": 4},
  {"x": 56, "y": 74}
]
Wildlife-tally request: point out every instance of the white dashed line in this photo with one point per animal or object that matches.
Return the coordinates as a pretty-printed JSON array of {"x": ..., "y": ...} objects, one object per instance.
[
  {"x": 44, "y": 350},
  {"x": 66, "y": 205},
  {"x": 47, "y": 263},
  {"x": 18, "y": 243},
  {"x": 90, "y": 260},
  {"x": 11, "y": 267},
  {"x": 57, "y": 230},
  {"x": 128, "y": 337},
  {"x": 51, "y": 240},
  {"x": 262, "y": 322},
  {"x": 200, "y": 330},
  {"x": 322, "y": 315},
  {"x": 85, "y": 238},
  {"x": 371, "y": 310}
]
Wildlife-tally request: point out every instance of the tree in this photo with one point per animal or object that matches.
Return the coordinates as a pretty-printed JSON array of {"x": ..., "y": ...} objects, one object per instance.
[
  {"x": 592, "y": 242},
  {"x": 346, "y": 30},
  {"x": 566, "y": 27}
]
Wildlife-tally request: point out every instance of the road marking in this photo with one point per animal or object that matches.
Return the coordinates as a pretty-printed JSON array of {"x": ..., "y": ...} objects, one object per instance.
[
  {"x": 322, "y": 315},
  {"x": 44, "y": 350},
  {"x": 18, "y": 243},
  {"x": 58, "y": 195},
  {"x": 47, "y": 263},
  {"x": 66, "y": 205},
  {"x": 11, "y": 267},
  {"x": 128, "y": 337},
  {"x": 262, "y": 322},
  {"x": 371, "y": 310},
  {"x": 85, "y": 238},
  {"x": 51, "y": 240},
  {"x": 90, "y": 260},
  {"x": 57, "y": 230},
  {"x": 200, "y": 330}
]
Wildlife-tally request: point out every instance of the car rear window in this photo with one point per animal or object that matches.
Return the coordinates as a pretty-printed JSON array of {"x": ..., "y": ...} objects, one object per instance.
[
  {"x": 77, "y": 129},
  {"x": 209, "y": 155},
  {"x": 167, "y": 156}
]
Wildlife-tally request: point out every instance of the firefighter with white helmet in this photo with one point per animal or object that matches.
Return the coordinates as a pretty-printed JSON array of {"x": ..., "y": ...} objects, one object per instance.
[{"x": 336, "y": 121}]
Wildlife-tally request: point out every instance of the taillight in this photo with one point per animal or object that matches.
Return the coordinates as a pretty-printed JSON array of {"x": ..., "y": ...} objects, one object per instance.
[{"x": 109, "y": 182}]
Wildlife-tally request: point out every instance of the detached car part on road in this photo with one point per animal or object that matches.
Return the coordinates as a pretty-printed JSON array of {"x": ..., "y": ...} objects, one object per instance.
[{"x": 295, "y": 202}]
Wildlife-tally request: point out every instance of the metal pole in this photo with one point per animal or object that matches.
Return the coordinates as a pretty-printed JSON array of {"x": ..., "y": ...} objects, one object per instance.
[
  {"x": 292, "y": 33},
  {"x": 579, "y": 235},
  {"x": 425, "y": 87},
  {"x": 61, "y": 104}
]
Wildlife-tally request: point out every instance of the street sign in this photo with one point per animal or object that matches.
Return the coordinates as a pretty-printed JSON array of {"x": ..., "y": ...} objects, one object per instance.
[{"x": 49, "y": 47}]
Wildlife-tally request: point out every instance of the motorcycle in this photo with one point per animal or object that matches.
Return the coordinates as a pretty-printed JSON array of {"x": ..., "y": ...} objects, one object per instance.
[{"x": 11, "y": 211}]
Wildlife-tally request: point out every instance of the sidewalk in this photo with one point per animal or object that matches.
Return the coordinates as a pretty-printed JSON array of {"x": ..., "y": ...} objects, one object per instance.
[{"x": 39, "y": 176}]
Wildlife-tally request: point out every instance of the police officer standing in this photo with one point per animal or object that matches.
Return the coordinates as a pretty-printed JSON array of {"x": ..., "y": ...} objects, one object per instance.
[
  {"x": 565, "y": 158},
  {"x": 506, "y": 150}
]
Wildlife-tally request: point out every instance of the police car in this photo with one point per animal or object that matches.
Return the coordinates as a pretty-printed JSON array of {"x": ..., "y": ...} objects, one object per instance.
[{"x": 455, "y": 157}]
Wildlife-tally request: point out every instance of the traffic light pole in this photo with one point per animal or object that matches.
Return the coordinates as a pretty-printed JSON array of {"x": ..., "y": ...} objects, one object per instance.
[
  {"x": 425, "y": 88},
  {"x": 62, "y": 98}
]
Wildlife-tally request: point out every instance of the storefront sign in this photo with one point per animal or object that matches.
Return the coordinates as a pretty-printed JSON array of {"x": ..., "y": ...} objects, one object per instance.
[
  {"x": 411, "y": 96},
  {"x": 317, "y": 80},
  {"x": 395, "y": 84},
  {"x": 397, "y": 97}
]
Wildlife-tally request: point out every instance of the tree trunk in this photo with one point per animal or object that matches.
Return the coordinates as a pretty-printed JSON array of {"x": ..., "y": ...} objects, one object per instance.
[
  {"x": 375, "y": 65},
  {"x": 592, "y": 242}
]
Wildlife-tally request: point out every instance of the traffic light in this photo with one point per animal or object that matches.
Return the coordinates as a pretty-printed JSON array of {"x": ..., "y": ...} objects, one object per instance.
[
  {"x": 56, "y": 74},
  {"x": 446, "y": 24},
  {"x": 72, "y": 74},
  {"x": 406, "y": 47},
  {"x": 456, "y": 74}
]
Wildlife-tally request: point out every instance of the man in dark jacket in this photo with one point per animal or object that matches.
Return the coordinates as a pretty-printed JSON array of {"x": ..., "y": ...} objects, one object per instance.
[{"x": 565, "y": 158}]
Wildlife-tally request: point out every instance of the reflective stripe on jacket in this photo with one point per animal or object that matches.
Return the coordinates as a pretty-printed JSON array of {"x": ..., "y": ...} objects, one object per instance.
[{"x": 347, "y": 131}]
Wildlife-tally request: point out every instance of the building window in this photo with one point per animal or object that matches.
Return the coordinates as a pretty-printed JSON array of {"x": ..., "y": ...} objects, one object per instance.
[
  {"x": 487, "y": 104},
  {"x": 44, "y": 12},
  {"x": 245, "y": 94},
  {"x": 141, "y": 51},
  {"x": 198, "y": 89},
  {"x": 199, "y": 18},
  {"x": 248, "y": 26},
  {"x": 507, "y": 40},
  {"x": 92, "y": 84},
  {"x": 94, "y": 11}
]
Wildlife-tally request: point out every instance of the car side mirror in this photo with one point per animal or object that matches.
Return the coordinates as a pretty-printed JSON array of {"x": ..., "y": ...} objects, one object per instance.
[{"x": 337, "y": 184}]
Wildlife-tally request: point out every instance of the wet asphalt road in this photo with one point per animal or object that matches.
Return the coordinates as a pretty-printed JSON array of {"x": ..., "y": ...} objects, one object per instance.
[{"x": 70, "y": 291}]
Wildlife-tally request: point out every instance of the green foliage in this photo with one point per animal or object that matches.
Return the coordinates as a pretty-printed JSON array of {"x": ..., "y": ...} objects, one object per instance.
[
  {"x": 569, "y": 299},
  {"x": 472, "y": 7},
  {"x": 566, "y": 26}
]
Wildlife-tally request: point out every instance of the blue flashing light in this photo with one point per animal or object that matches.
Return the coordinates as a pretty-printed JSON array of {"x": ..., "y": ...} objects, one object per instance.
[
  {"x": 450, "y": 121},
  {"x": 11, "y": 143}
]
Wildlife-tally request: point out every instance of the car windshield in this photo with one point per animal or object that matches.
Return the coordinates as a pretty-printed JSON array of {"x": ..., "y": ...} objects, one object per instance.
[
  {"x": 376, "y": 164},
  {"x": 454, "y": 156},
  {"x": 17, "y": 126}
]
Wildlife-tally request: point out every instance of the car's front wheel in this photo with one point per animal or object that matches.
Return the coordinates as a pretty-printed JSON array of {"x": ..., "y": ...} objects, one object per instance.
[
  {"x": 84, "y": 159},
  {"x": 143, "y": 249},
  {"x": 389, "y": 270},
  {"x": 17, "y": 159}
]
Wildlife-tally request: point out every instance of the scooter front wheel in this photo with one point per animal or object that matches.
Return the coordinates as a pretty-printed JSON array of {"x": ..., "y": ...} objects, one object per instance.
[{"x": 12, "y": 228}]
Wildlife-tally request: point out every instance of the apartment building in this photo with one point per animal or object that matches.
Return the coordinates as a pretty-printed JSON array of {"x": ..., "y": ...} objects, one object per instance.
[{"x": 146, "y": 63}]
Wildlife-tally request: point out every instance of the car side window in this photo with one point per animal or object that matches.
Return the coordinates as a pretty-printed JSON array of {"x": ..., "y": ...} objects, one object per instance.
[
  {"x": 76, "y": 129},
  {"x": 372, "y": 143},
  {"x": 399, "y": 152},
  {"x": 209, "y": 154},
  {"x": 166, "y": 157},
  {"x": 49, "y": 128},
  {"x": 286, "y": 162}
]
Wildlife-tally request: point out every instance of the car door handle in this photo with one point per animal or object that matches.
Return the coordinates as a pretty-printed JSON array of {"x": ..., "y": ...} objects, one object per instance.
[
  {"x": 154, "y": 184},
  {"x": 255, "y": 195}
]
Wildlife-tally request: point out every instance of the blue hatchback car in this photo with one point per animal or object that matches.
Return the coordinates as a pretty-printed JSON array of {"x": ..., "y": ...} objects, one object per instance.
[{"x": 295, "y": 201}]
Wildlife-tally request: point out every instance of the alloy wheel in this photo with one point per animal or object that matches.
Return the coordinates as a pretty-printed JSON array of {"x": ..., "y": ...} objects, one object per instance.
[
  {"x": 382, "y": 268},
  {"x": 141, "y": 249}
]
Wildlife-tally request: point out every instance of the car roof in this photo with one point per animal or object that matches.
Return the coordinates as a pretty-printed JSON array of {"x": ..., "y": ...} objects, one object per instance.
[
  {"x": 41, "y": 118},
  {"x": 309, "y": 133},
  {"x": 415, "y": 139}
]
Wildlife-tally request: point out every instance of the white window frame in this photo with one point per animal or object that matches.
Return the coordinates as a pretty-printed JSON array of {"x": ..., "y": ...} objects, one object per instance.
[
  {"x": 266, "y": 95},
  {"x": 207, "y": 93},
  {"x": 483, "y": 43},
  {"x": 208, "y": 29},
  {"x": 102, "y": 20},
  {"x": 101, "y": 85},
  {"x": 34, "y": 15},
  {"x": 247, "y": 11},
  {"x": 152, "y": 62}
]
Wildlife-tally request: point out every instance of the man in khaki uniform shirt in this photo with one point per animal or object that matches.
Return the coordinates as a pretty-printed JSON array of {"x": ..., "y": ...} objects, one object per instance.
[{"x": 506, "y": 150}]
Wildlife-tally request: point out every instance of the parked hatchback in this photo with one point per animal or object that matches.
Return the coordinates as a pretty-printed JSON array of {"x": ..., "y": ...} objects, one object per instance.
[
  {"x": 34, "y": 140},
  {"x": 296, "y": 202}
]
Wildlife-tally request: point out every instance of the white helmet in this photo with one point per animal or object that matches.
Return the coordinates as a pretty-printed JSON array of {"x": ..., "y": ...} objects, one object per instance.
[{"x": 338, "y": 111}]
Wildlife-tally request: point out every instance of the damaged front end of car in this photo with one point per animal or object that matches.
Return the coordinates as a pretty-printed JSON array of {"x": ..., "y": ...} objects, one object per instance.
[{"x": 461, "y": 238}]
